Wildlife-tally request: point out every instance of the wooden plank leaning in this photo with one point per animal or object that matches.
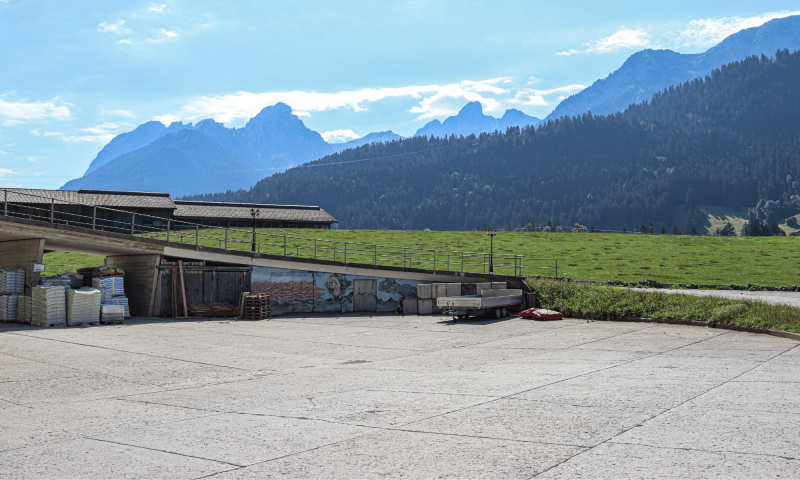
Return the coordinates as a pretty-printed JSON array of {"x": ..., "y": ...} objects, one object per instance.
[{"x": 183, "y": 290}]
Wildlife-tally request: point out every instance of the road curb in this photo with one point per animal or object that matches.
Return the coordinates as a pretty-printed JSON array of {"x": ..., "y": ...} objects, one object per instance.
[{"x": 696, "y": 323}]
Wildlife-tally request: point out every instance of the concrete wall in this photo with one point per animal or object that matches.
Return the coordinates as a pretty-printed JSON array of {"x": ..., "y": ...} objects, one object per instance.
[
  {"x": 141, "y": 274},
  {"x": 23, "y": 254},
  {"x": 299, "y": 291}
]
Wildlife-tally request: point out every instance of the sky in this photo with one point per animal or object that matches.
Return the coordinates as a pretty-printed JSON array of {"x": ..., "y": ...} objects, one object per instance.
[{"x": 75, "y": 74}]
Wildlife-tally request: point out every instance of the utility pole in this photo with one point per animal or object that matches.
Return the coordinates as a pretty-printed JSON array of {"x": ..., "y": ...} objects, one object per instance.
[
  {"x": 255, "y": 213},
  {"x": 491, "y": 233}
]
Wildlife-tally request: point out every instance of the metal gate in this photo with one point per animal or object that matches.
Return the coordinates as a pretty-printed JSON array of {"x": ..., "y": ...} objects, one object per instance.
[{"x": 366, "y": 295}]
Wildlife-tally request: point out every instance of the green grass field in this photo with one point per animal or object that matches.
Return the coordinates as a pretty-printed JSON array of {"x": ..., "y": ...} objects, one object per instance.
[{"x": 766, "y": 261}]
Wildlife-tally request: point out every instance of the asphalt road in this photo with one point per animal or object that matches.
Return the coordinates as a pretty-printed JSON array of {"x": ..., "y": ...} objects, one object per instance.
[{"x": 390, "y": 396}]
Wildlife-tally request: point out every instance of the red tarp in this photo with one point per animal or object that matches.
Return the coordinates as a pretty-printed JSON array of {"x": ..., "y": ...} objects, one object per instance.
[{"x": 541, "y": 314}]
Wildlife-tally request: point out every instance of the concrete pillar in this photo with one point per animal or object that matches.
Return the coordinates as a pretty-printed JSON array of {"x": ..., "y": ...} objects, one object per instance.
[
  {"x": 23, "y": 254},
  {"x": 141, "y": 275}
]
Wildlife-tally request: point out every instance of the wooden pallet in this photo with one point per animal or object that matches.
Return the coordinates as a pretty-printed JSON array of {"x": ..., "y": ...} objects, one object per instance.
[
  {"x": 213, "y": 309},
  {"x": 254, "y": 307},
  {"x": 110, "y": 322}
]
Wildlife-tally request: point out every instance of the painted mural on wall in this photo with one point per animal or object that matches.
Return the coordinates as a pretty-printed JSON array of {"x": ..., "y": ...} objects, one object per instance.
[{"x": 295, "y": 291}]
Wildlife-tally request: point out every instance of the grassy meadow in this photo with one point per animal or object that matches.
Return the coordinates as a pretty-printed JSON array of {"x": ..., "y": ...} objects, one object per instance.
[{"x": 766, "y": 261}]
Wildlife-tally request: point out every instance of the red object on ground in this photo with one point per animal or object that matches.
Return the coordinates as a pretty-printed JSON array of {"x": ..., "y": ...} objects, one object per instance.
[{"x": 541, "y": 314}]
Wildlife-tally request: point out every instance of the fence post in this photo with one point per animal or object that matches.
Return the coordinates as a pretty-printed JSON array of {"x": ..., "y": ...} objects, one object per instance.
[
  {"x": 94, "y": 216},
  {"x": 484, "y": 264},
  {"x": 404, "y": 256},
  {"x": 375, "y": 256},
  {"x": 434, "y": 261},
  {"x": 226, "y": 239},
  {"x": 315, "y": 249},
  {"x": 133, "y": 222},
  {"x": 52, "y": 209},
  {"x": 168, "y": 225},
  {"x": 196, "y": 235},
  {"x": 284, "y": 246},
  {"x": 345, "y": 253},
  {"x": 462, "y": 262},
  {"x": 556, "y": 268},
  {"x": 6, "y": 203},
  {"x": 515, "y": 265}
]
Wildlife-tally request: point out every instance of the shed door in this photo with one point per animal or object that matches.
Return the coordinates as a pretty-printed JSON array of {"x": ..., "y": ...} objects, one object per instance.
[{"x": 366, "y": 295}]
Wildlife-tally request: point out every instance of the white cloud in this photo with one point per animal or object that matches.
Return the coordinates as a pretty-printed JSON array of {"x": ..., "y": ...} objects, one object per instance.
[
  {"x": 32, "y": 159},
  {"x": 206, "y": 25},
  {"x": 11, "y": 144},
  {"x": 710, "y": 31},
  {"x": 46, "y": 134},
  {"x": 90, "y": 138},
  {"x": 535, "y": 98},
  {"x": 15, "y": 113},
  {"x": 340, "y": 136},
  {"x": 622, "y": 39},
  {"x": 168, "y": 33},
  {"x": 125, "y": 41},
  {"x": 7, "y": 171},
  {"x": 532, "y": 80},
  {"x": 102, "y": 133},
  {"x": 112, "y": 27},
  {"x": 244, "y": 105},
  {"x": 2, "y": 151},
  {"x": 119, "y": 113},
  {"x": 158, "y": 8}
]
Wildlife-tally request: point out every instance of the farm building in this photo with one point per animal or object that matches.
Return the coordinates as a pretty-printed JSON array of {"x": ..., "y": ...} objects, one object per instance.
[{"x": 116, "y": 209}]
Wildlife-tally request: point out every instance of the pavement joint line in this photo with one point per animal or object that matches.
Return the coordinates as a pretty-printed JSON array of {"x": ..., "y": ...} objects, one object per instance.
[
  {"x": 688, "y": 449},
  {"x": 666, "y": 410},
  {"x": 428, "y": 393},
  {"x": 542, "y": 386},
  {"x": 14, "y": 403},
  {"x": 69, "y": 367},
  {"x": 129, "y": 352},
  {"x": 164, "y": 451}
]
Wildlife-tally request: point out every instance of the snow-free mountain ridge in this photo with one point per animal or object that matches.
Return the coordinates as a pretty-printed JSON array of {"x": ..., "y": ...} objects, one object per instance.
[
  {"x": 471, "y": 120},
  {"x": 649, "y": 71}
]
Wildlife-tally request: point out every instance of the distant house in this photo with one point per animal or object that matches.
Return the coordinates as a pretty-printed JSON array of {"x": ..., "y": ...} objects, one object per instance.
[{"x": 115, "y": 210}]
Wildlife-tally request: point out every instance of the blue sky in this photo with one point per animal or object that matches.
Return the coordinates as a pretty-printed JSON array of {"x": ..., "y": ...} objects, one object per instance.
[{"x": 74, "y": 74}]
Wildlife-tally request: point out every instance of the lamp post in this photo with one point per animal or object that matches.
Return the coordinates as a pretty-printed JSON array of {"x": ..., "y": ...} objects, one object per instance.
[
  {"x": 491, "y": 233},
  {"x": 254, "y": 212}
]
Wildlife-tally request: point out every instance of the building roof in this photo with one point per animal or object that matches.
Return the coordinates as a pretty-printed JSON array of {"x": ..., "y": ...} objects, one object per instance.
[
  {"x": 104, "y": 198},
  {"x": 286, "y": 213}
]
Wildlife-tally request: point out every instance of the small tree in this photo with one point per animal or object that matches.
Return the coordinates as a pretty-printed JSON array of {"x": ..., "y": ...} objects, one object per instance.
[
  {"x": 663, "y": 231},
  {"x": 694, "y": 231},
  {"x": 727, "y": 231},
  {"x": 675, "y": 230}
]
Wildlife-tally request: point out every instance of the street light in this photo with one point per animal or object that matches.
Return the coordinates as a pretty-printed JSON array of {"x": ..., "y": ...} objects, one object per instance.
[
  {"x": 255, "y": 213},
  {"x": 491, "y": 233}
]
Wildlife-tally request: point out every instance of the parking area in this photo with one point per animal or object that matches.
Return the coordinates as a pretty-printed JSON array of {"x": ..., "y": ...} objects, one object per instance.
[{"x": 396, "y": 396}]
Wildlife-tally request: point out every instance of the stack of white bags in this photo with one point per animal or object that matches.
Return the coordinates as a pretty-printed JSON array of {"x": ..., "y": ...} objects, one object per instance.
[
  {"x": 24, "y": 309},
  {"x": 115, "y": 284},
  {"x": 12, "y": 281},
  {"x": 8, "y": 307},
  {"x": 83, "y": 306},
  {"x": 48, "y": 306}
]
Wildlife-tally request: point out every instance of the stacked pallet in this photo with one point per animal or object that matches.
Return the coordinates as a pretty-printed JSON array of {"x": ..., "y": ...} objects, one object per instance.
[
  {"x": 8, "y": 307},
  {"x": 255, "y": 307},
  {"x": 12, "y": 281},
  {"x": 123, "y": 302},
  {"x": 111, "y": 313},
  {"x": 83, "y": 306},
  {"x": 24, "y": 309},
  {"x": 89, "y": 274},
  {"x": 48, "y": 306}
]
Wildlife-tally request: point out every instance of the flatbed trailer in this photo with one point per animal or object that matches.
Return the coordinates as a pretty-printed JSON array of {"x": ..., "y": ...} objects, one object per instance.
[{"x": 493, "y": 302}]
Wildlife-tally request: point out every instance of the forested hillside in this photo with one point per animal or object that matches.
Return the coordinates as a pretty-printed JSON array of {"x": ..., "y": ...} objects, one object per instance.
[{"x": 730, "y": 139}]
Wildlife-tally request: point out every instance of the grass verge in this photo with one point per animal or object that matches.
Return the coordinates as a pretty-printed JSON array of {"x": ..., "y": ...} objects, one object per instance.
[
  {"x": 572, "y": 298},
  {"x": 60, "y": 262}
]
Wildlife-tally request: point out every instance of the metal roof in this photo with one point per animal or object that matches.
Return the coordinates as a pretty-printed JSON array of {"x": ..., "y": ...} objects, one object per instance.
[
  {"x": 104, "y": 198},
  {"x": 297, "y": 213}
]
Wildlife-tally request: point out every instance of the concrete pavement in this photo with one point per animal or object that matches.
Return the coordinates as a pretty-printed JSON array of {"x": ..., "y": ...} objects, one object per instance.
[{"x": 396, "y": 396}]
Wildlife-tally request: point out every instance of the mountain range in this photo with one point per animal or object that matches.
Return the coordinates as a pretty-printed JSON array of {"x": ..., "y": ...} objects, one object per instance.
[
  {"x": 649, "y": 71},
  {"x": 276, "y": 139}
]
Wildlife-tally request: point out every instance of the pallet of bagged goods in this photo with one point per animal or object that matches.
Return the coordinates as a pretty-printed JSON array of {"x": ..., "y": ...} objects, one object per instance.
[
  {"x": 12, "y": 281},
  {"x": 48, "y": 306},
  {"x": 8, "y": 307},
  {"x": 83, "y": 306},
  {"x": 91, "y": 273},
  {"x": 24, "y": 309}
]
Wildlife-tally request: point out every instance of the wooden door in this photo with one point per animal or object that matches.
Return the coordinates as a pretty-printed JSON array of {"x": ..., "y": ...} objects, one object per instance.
[{"x": 365, "y": 297}]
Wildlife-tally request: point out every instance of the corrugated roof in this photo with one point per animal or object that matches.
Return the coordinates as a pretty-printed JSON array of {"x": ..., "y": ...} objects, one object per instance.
[
  {"x": 298, "y": 213},
  {"x": 91, "y": 197}
]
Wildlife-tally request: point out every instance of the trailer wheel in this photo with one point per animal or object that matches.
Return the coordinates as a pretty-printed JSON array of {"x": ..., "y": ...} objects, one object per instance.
[
  {"x": 497, "y": 313},
  {"x": 505, "y": 312}
]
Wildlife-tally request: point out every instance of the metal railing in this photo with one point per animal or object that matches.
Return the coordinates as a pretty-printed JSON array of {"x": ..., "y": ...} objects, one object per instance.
[{"x": 43, "y": 208}]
